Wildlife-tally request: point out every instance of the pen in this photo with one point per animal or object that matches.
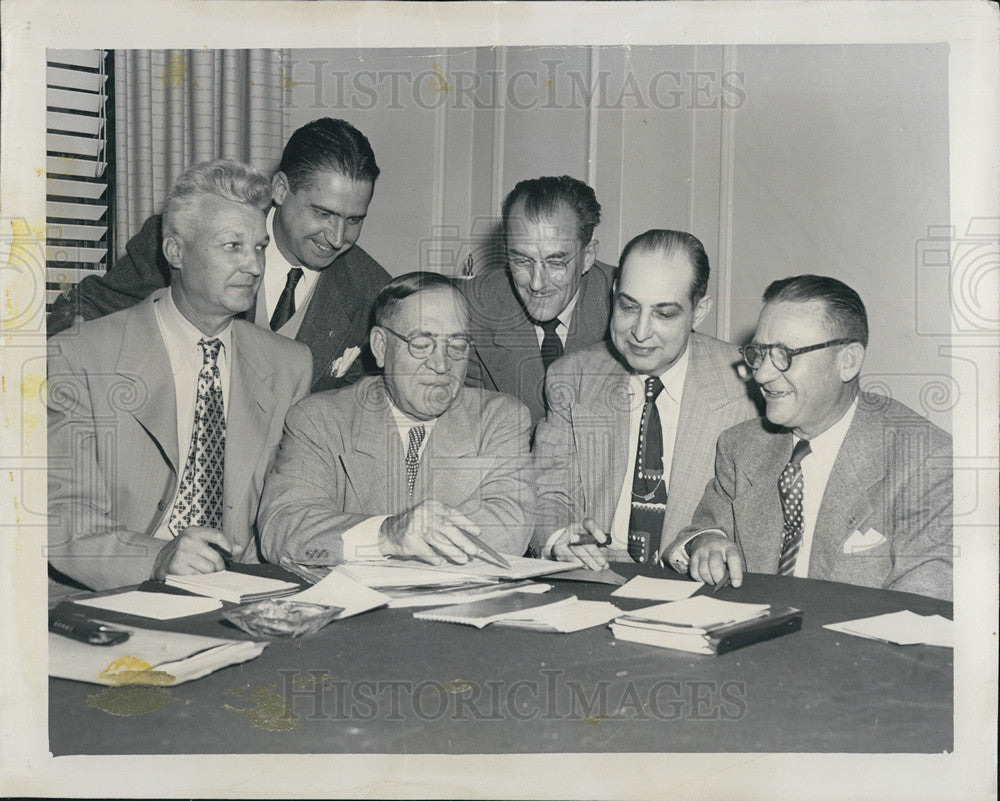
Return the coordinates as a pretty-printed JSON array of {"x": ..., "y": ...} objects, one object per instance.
[
  {"x": 721, "y": 584},
  {"x": 495, "y": 559}
]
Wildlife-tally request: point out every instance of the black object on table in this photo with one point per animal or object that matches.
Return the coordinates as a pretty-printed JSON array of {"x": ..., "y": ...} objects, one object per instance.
[{"x": 382, "y": 682}]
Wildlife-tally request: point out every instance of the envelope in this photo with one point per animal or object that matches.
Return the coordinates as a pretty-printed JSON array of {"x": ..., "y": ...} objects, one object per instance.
[
  {"x": 343, "y": 362},
  {"x": 859, "y": 543}
]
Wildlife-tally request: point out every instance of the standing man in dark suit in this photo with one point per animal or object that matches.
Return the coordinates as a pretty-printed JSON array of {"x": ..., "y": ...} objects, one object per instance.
[
  {"x": 555, "y": 296},
  {"x": 406, "y": 463},
  {"x": 626, "y": 448},
  {"x": 834, "y": 484},
  {"x": 322, "y": 191},
  {"x": 163, "y": 418}
]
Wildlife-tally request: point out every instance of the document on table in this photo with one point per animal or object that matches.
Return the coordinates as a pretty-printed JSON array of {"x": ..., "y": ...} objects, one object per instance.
[
  {"x": 147, "y": 657},
  {"x": 340, "y": 589},
  {"x": 563, "y": 618},
  {"x": 228, "y": 585},
  {"x": 703, "y": 612},
  {"x": 156, "y": 605},
  {"x": 658, "y": 589},
  {"x": 410, "y": 573},
  {"x": 900, "y": 628}
]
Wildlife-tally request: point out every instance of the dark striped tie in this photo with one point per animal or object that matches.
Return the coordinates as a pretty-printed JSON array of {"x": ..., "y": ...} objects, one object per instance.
[
  {"x": 552, "y": 346},
  {"x": 285, "y": 307},
  {"x": 790, "y": 488}
]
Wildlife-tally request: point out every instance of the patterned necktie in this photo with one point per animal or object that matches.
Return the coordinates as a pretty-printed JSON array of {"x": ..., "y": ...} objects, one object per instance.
[
  {"x": 199, "y": 494},
  {"x": 649, "y": 492},
  {"x": 285, "y": 307},
  {"x": 413, "y": 457},
  {"x": 552, "y": 346},
  {"x": 790, "y": 488}
]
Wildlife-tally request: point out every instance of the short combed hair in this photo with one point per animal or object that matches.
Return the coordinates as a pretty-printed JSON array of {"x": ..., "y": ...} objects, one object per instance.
[
  {"x": 845, "y": 311},
  {"x": 327, "y": 145},
  {"x": 223, "y": 178},
  {"x": 668, "y": 243},
  {"x": 542, "y": 197},
  {"x": 407, "y": 285}
]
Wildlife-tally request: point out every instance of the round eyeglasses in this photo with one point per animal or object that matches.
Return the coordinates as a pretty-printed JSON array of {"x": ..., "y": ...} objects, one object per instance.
[
  {"x": 781, "y": 356},
  {"x": 422, "y": 346},
  {"x": 556, "y": 267}
]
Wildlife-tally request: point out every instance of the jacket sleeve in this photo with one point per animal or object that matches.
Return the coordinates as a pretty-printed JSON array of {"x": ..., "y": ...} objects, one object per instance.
[
  {"x": 142, "y": 270},
  {"x": 86, "y": 541}
]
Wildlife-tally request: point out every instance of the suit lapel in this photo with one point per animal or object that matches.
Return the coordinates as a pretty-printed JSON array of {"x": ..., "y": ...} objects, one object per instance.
[
  {"x": 144, "y": 362},
  {"x": 248, "y": 421},
  {"x": 329, "y": 318},
  {"x": 766, "y": 458},
  {"x": 845, "y": 505},
  {"x": 590, "y": 317},
  {"x": 376, "y": 455},
  {"x": 608, "y": 399}
]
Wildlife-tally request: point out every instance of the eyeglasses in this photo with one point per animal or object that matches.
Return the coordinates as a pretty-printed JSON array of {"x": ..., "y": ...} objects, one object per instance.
[
  {"x": 422, "y": 345},
  {"x": 523, "y": 265},
  {"x": 781, "y": 356}
]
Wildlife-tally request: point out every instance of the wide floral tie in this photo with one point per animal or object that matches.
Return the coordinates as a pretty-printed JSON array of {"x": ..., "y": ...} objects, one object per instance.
[
  {"x": 199, "y": 495},
  {"x": 790, "y": 489}
]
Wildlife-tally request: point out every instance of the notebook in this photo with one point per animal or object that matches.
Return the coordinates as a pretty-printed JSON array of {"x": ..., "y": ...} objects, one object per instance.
[
  {"x": 227, "y": 585},
  {"x": 482, "y": 613},
  {"x": 562, "y": 618}
]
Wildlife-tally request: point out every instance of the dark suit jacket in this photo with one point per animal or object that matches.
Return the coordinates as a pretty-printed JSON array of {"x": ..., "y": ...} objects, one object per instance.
[
  {"x": 114, "y": 459},
  {"x": 580, "y": 446},
  {"x": 506, "y": 357},
  {"x": 342, "y": 461},
  {"x": 893, "y": 474},
  {"x": 337, "y": 317}
]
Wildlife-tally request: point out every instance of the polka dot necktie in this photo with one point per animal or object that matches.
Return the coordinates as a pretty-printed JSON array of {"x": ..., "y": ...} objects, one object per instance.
[
  {"x": 413, "y": 457},
  {"x": 649, "y": 492},
  {"x": 199, "y": 494},
  {"x": 552, "y": 346},
  {"x": 790, "y": 490}
]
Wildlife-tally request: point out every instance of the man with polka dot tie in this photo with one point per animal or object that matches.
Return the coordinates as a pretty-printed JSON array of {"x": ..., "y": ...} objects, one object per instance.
[{"x": 834, "y": 483}]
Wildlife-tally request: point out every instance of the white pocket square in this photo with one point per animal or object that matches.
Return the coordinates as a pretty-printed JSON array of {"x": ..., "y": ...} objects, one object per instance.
[
  {"x": 343, "y": 362},
  {"x": 858, "y": 542}
]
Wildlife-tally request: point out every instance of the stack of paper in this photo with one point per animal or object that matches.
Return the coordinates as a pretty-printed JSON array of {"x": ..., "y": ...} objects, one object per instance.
[
  {"x": 482, "y": 613},
  {"x": 147, "y": 657},
  {"x": 228, "y": 585},
  {"x": 467, "y": 593},
  {"x": 705, "y": 625},
  {"x": 900, "y": 628},
  {"x": 411, "y": 573},
  {"x": 658, "y": 589},
  {"x": 339, "y": 589},
  {"x": 156, "y": 605},
  {"x": 563, "y": 617}
]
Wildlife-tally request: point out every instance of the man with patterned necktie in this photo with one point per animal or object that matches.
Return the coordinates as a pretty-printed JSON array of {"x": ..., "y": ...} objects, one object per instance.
[
  {"x": 318, "y": 285},
  {"x": 163, "y": 418},
  {"x": 625, "y": 450},
  {"x": 410, "y": 463},
  {"x": 834, "y": 483}
]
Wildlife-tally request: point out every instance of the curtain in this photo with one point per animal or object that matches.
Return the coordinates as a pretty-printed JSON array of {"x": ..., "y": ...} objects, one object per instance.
[{"x": 174, "y": 108}]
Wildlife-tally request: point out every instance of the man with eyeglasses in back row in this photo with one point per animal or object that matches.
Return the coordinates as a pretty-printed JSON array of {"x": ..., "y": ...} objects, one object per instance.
[
  {"x": 834, "y": 483},
  {"x": 410, "y": 463}
]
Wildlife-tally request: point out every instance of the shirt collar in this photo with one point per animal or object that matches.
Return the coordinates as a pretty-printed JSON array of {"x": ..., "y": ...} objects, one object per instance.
[
  {"x": 565, "y": 317},
  {"x": 673, "y": 378},
  {"x": 404, "y": 422},
  {"x": 831, "y": 439},
  {"x": 182, "y": 333},
  {"x": 276, "y": 261}
]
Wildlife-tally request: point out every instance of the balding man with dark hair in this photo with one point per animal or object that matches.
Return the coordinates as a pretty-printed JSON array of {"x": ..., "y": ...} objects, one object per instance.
[
  {"x": 625, "y": 450},
  {"x": 554, "y": 297},
  {"x": 833, "y": 483}
]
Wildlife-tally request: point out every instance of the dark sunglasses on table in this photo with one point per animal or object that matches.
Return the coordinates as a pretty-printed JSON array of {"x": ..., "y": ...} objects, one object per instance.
[
  {"x": 422, "y": 345},
  {"x": 781, "y": 356}
]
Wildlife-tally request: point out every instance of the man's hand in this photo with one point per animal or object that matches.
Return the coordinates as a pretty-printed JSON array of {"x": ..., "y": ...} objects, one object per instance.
[
  {"x": 431, "y": 532},
  {"x": 192, "y": 552},
  {"x": 580, "y": 543},
  {"x": 711, "y": 555}
]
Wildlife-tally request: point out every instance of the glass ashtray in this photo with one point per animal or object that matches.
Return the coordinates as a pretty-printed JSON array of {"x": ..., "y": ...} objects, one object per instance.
[{"x": 282, "y": 617}]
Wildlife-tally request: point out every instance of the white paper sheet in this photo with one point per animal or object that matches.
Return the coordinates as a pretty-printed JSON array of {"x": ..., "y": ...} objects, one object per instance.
[
  {"x": 155, "y": 605},
  {"x": 658, "y": 589},
  {"x": 900, "y": 628}
]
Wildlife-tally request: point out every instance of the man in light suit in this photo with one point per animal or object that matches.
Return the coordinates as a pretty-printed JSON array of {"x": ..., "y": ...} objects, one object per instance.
[
  {"x": 622, "y": 468},
  {"x": 318, "y": 286},
  {"x": 834, "y": 484},
  {"x": 408, "y": 464},
  {"x": 555, "y": 296},
  {"x": 164, "y": 418}
]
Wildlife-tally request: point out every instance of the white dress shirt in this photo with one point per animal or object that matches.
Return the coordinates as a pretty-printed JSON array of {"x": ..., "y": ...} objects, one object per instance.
[
  {"x": 181, "y": 339},
  {"x": 273, "y": 283},
  {"x": 361, "y": 540},
  {"x": 668, "y": 404},
  {"x": 565, "y": 317}
]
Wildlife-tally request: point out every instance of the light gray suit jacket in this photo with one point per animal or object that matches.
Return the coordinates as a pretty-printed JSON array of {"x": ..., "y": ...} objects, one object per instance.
[
  {"x": 342, "y": 460},
  {"x": 507, "y": 357},
  {"x": 113, "y": 453},
  {"x": 893, "y": 474},
  {"x": 580, "y": 446}
]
